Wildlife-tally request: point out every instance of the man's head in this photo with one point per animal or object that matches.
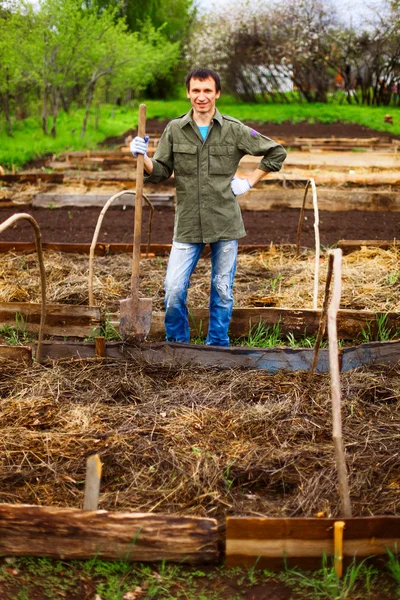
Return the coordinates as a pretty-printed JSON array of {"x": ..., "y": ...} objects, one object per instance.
[
  {"x": 203, "y": 87},
  {"x": 203, "y": 74}
]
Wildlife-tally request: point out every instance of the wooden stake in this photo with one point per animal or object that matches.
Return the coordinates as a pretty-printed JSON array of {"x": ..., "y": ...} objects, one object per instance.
[
  {"x": 335, "y": 386},
  {"x": 322, "y": 322},
  {"x": 92, "y": 483},
  {"x": 100, "y": 345},
  {"x": 338, "y": 546}
]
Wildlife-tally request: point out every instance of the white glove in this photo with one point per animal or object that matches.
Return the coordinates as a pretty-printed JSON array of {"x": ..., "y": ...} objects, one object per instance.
[
  {"x": 240, "y": 186},
  {"x": 139, "y": 145}
]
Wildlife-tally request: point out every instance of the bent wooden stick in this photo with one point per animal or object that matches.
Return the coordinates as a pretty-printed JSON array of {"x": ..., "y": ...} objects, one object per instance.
[
  {"x": 335, "y": 385},
  {"x": 322, "y": 322},
  {"x": 97, "y": 231},
  {"x": 39, "y": 250},
  {"x": 311, "y": 182}
]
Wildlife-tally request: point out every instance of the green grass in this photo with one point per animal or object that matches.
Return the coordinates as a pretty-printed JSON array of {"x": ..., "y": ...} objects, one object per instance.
[
  {"x": 16, "y": 335},
  {"x": 383, "y": 333},
  {"x": 31, "y": 578},
  {"x": 29, "y": 142}
]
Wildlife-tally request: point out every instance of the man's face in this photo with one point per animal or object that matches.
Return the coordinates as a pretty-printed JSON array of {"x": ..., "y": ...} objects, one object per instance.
[{"x": 202, "y": 94}]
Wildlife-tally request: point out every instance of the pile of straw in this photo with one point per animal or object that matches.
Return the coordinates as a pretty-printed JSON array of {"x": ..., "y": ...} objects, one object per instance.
[
  {"x": 191, "y": 440},
  {"x": 371, "y": 279}
]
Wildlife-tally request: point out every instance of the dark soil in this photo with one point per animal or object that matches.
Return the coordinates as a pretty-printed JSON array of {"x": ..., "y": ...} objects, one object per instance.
[
  {"x": 263, "y": 227},
  {"x": 286, "y": 130}
]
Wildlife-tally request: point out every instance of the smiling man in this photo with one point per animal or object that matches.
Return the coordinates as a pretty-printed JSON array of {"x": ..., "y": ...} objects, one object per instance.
[{"x": 203, "y": 149}]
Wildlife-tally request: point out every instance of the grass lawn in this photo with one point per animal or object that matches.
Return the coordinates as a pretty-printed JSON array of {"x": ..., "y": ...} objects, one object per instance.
[{"x": 29, "y": 142}]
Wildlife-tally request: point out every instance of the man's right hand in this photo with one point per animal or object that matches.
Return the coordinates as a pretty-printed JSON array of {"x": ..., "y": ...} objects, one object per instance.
[{"x": 139, "y": 145}]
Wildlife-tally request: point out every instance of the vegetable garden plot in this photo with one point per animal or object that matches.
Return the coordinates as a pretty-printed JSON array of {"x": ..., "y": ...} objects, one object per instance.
[
  {"x": 197, "y": 441},
  {"x": 371, "y": 279}
]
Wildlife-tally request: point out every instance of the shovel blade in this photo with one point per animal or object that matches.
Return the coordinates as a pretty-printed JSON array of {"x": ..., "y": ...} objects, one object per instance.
[{"x": 135, "y": 318}]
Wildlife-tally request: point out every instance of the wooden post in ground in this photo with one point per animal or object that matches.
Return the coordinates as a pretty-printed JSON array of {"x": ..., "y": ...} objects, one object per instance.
[
  {"x": 335, "y": 386},
  {"x": 322, "y": 322},
  {"x": 100, "y": 346},
  {"x": 338, "y": 546},
  {"x": 92, "y": 483}
]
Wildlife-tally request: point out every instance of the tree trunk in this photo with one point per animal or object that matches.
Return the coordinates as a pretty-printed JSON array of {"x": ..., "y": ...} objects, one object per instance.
[
  {"x": 45, "y": 111},
  {"x": 55, "y": 102},
  {"x": 5, "y": 100},
  {"x": 88, "y": 104}
]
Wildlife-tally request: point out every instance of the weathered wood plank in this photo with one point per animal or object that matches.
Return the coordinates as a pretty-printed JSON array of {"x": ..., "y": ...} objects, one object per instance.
[
  {"x": 272, "y": 543},
  {"x": 61, "y": 319},
  {"x": 102, "y": 249},
  {"x": 70, "y": 533},
  {"x": 296, "y": 321},
  {"x": 337, "y": 160},
  {"x": 54, "y": 200},
  {"x": 16, "y": 353},
  {"x": 329, "y": 199},
  {"x": 268, "y": 359},
  {"x": 348, "y": 246}
]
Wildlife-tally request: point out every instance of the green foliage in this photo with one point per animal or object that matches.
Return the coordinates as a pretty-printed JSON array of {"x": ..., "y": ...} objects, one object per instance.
[
  {"x": 29, "y": 141},
  {"x": 16, "y": 335},
  {"x": 325, "y": 583},
  {"x": 107, "y": 330},
  {"x": 263, "y": 336},
  {"x": 393, "y": 566},
  {"x": 64, "y": 51},
  {"x": 383, "y": 333}
]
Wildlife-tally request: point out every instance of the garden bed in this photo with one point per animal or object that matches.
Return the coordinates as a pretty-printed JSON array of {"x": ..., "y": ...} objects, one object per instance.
[{"x": 197, "y": 441}]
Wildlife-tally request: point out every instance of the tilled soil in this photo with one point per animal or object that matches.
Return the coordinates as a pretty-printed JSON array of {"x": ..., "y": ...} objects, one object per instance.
[
  {"x": 286, "y": 129},
  {"x": 263, "y": 227}
]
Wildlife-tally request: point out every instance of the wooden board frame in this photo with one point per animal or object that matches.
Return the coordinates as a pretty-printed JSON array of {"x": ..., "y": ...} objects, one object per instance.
[
  {"x": 72, "y": 533},
  {"x": 302, "y": 542}
]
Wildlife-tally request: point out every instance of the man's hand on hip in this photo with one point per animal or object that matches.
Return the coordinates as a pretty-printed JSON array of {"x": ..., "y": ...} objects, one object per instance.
[
  {"x": 240, "y": 186},
  {"x": 139, "y": 145}
]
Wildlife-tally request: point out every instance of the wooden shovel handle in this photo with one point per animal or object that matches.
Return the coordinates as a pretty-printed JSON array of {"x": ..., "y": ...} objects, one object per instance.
[{"x": 138, "y": 205}]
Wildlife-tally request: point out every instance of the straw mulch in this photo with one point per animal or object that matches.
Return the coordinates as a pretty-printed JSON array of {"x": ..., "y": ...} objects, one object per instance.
[
  {"x": 191, "y": 440},
  {"x": 371, "y": 279}
]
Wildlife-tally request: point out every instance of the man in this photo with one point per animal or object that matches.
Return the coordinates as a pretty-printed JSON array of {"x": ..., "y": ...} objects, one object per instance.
[{"x": 203, "y": 149}]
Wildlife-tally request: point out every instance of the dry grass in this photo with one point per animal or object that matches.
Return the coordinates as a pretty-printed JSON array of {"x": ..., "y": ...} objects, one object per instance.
[
  {"x": 371, "y": 279},
  {"x": 196, "y": 440}
]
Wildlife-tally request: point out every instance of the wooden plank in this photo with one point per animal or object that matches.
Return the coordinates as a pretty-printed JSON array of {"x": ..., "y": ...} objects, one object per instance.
[
  {"x": 348, "y": 246},
  {"x": 70, "y": 533},
  {"x": 328, "y": 199},
  {"x": 272, "y": 543},
  {"x": 103, "y": 249},
  {"x": 32, "y": 177},
  {"x": 16, "y": 353},
  {"x": 61, "y": 319},
  {"x": 296, "y": 321},
  {"x": 55, "y": 200},
  {"x": 268, "y": 359}
]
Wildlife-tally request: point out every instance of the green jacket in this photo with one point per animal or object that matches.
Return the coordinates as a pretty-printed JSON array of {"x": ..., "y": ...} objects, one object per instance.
[{"x": 206, "y": 208}]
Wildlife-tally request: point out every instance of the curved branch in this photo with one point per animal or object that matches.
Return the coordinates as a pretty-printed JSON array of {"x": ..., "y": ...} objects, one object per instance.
[
  {"x": 97, "y": 231},
  {"x": 38, "y": 240},
  {"x": 311, "y": 182}
]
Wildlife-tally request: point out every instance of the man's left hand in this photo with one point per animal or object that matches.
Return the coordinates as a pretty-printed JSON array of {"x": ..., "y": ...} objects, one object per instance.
[{"x": 240, "y": 186}]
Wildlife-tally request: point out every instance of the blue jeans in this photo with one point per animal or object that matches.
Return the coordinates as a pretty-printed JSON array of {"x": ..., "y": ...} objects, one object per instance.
[{"x": 182, "y": 262}]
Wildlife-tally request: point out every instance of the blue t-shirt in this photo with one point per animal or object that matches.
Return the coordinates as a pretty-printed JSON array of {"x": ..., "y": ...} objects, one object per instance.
[{"x": 203, "y": 130}]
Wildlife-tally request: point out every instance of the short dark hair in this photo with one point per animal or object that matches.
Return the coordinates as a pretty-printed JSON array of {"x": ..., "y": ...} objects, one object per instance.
[{"x": 203, "y": 73}]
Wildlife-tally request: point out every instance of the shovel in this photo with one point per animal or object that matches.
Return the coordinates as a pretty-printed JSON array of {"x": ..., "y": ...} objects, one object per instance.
[{"x": 135, "y": 312}]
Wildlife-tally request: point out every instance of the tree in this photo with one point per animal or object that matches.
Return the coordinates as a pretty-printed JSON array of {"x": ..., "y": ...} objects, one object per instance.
[
  {"x": 10, "y": 65},
  {"x": 127, "y": 60}
]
